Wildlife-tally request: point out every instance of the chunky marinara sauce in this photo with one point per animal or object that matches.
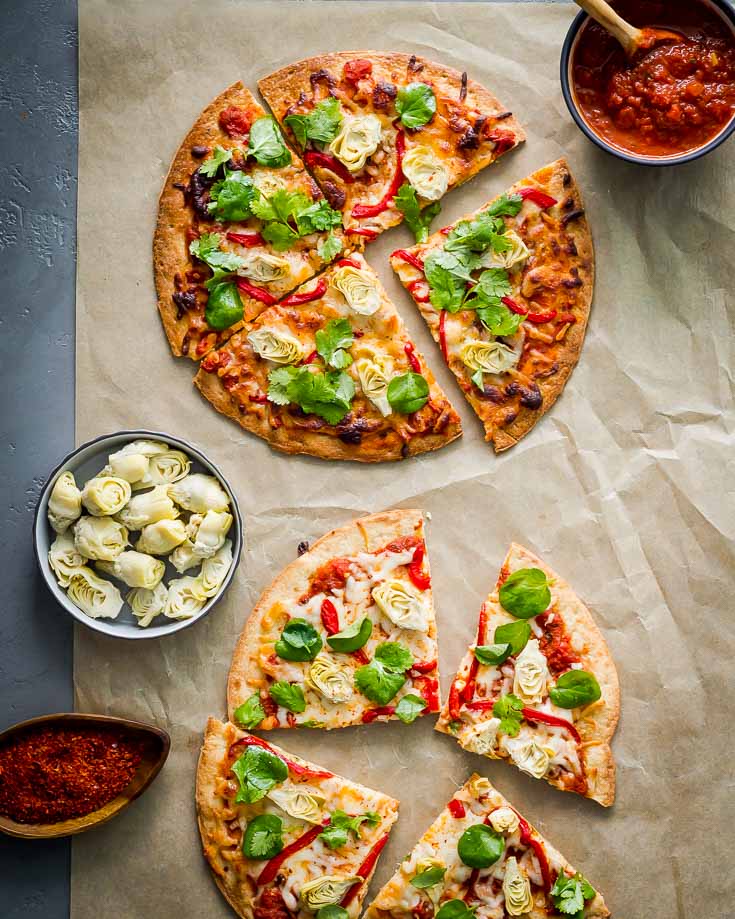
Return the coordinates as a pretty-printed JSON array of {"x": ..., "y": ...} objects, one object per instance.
[{"x": 668, "y": 100}]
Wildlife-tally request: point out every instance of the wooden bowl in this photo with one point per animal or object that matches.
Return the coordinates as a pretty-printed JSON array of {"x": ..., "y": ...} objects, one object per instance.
[{"x": 157, "y": 746}]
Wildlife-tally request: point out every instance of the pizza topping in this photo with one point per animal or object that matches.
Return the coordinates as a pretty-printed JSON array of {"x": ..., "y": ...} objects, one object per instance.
[
  {"x": 430, "y": 871},
  {"x": 289, "y": 695},
  {"x": 525, "y": 593},
  {"x": 426, "y": 173},
  {"x": 531, "y": 714},
  {"x": 357, "y": 70},
  {"x": 333, "y": 341},
  {"x": 454, "y": 909},
  {"x": 575, "y": 688},
  {"x": 385, "y": 675},
  {"x": 266, "y": 144},
  {"x": 327, "y": 161},
  {"x": 234, "y": 121},
  {"x": 357, "y": 140},
  {"x": 481, "y": 738},
  {"x": 276, "y": 346},
  {"x": 528, "y": 756},
  {"x": 330, "y": 678},
  {"x": 374, "y": 380},
  {"x": 373, "y": 210},
  {"x": 492, "y": 655},
  {"x": 351, "y": 638},
  {"x": 410, "y": 707},
  {"x": 320, "y": 125},
  {"x": 299, "y": 641},
  {"x": 316, "y": 293},
  {"x": 417, "y": 220},
  {"x": 263, "y": 837},
  {"x": 538, "y": 197},
  {"x": 422, "y": 580},
  {"x": 504, "y": 820},
  {"x": 402, "y": 604},
  {"x": 515, "y": 633},
  {"x": 288, "y": 216},
  {"x": 569, "y": 894},
  {"x": 487, "y": 357},
  {"x": 328, "y": 395},
  {"x": 515, "y": 254},
  {"x": 257, "y": 293},
  {"x": 531, "y": 674},
  {"x": 231, "y": 198},
  {"x": 408, "y": 392},
  {"x": 516, "y": 889},
  {"x": 337, "y": 832},
  {"x": 361, "y": 294},
  {"x": 326, "y": 890},
  {"x": 480, "y": 846},
  {"x": 508, "y": 709},
  {"x": 250, "y": 240},
  {"x": 258, "y": 771},
  {"x": 416, "y": 105},
  {"x": 299, "y": 803},
  {"x": 263, "y": 267},
  {"x": 269, "y": 873}
]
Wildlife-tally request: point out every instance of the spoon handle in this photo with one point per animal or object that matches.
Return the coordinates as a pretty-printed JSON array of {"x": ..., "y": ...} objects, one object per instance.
[{"x": 628, "y": 36}]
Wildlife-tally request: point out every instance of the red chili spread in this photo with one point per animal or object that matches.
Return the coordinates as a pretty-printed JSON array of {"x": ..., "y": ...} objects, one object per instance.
[{"x": 668, "y": 100}]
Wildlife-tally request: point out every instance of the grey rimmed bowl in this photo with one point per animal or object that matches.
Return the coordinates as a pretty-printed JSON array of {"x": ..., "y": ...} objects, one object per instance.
[{"x": 85, "y": 462}]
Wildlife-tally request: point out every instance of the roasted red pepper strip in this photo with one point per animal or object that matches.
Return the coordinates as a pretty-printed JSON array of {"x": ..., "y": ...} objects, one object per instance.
[
  {"x": 531, "y": 714},
  {"x": 257, "y": 293},
  {"x": 424, "y": 666},
  {"x": 247, "y": 239},
  {"x": 408, "y": 257},
  {"x": 456, "y": 809},
  {"x": 372, "y": 210},
  {"x": 361, "y": 656},
  {"x": 538, "y": 197},
  {"x": 529, "y": 840},
  {"x": 513, "y": 306},
  {"x": 428, "y": 689},
  {"x": 348, "y": 261},
  {"x": 415, "y": 570},
  {"x": 308, "y": 295},
  {"x": 443, "y": 334},
  {"x": 330, "y": 617},
  {"x": 326, "y": 161},
  {"x": 310, "y": 357},
  {"x": 296, "y": 768},
  {"x": 272, "y": 867},
  {"x": 372, "y": 713},
  {"x": 469, "y": 690},
  {"x": 419, "y": 285},
  {"x": 541, "y": 317},
  {"x": 414, "y": 364},
  {"x": 566, "y": 317},
  {"x": 364, "y": 870},
  {"x": 364, "y": 231},
  {"x": 455, "y": 703},
  {"x": 481, "y": 705},
  {"x": 260, "y": 398},
  {"x": 359, "y": 69}
]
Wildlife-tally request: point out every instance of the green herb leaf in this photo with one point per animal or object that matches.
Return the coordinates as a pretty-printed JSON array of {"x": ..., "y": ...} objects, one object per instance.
[
  {"x": 321, "y": 125},
  {"x": 257, "y": 771},
  {"x": 575, "y": 688},
  {"x": 455, "y": 909},
  {"x": 417, "y": 220},
  {"x": 311, "y": 723},
  {"x": 492, "y": 655},
  {"x": 329, "y": 248},
  {"x": 569, "y": 894},
  {"x": 207, "y": 250},
  {"x": 476, "y": 235},
  {"x": 408, "y": 392},
  {"x": 332, "y": 911},
  {"x": 224, "y": 306},
  {"x": 428, "y": 878},
  {"x": 515, "y": 633},
  {"x": 415, "y": 104},
  {"x": 492, "y": 284},
  {"x": 332, "y": 340},
  {"x": 447, "y": 274},
  {"x": 383, "y": 677},
  {"x": 212, "y": 163},
  {"x": 497, "y": 318},
  {"x": 409, "y": 708},
  {"x": 525, "y": 593},
  {"x": 317, "y": 218},
  {"x": 480, "y": 846},
  {"x": 328, "y": 395},
  {"x": 299, "y": 641},
  {"x": 289, "y": 695},
  {"x": 394, "y": 655},
  {"x": 352, "y": 638},
  {"x": 232, "y": 197},
  {"x": 509, "y": 709},
  {"x": 266, "y": 144},
  {"x": 336, "y": 833},
  {"x": 263, "y": 838},
  {"x": 250, "y": 713},
  {"x": 289, "y": 215},
  {"x": 505, "y": 206}
]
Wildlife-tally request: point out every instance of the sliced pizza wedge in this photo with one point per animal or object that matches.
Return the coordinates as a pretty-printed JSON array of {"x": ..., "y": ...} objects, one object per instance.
[
  {"x": 331, "y": 371},
  {"x": 506, "y": 292},
  {"x": 539, "y": 687},
  {"x": 240, "y": 224},
  {"x": 283, "y": 837},
  {"x": 387, "y": 134},
  {"x": 345, "y": 634},
  {"x": 480, "y": 856}
]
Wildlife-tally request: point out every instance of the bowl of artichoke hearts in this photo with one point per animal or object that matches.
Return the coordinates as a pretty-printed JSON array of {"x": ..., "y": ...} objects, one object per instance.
[{"x": 137, "y": 534}]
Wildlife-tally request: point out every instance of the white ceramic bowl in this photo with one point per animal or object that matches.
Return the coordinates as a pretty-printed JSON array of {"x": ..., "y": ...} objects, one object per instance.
[{"x": 85, "y": 462}]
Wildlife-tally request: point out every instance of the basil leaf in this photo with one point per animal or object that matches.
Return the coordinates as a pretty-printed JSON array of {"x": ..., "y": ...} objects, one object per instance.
[
  {"x": 250, "y": 713},
  {"x": 266, "y": 144},
  {"x": 224, "y": 306},
  {"x": 257, "y": 771},
  {"x": 415, "y": 104},
  {"x": 515, "y": 633},
  {"x": 455, "y": 909},
  {"x": 575, "y": 688},
  {"x": 211, "y": 165},
  {"x": 480, "y": 846},
  {"x": 289, "y": 695},
  {"x": 263, "y": 838},
  {"x": 352, "y": 638},
  {"x": 492, "y": 655},
  {"x": 232, "y": 197},
  {"x": 509, "y": 709},
  {"x": 525, "y": 593},
  {"x": 408, "y": 392},
  {"x": 321, "y": 125},
  {"x": 299, "y": 641},
  {"x": 394, "y": 655},
  {"x": 329, "y": 249},
  {"x": 417, "y": 220},
  {"x": 409, "y": 708},
  {"x": 332, "y": 340},
  {"x": 428, "y": 878},
  {"x": 332, "y": 911}
]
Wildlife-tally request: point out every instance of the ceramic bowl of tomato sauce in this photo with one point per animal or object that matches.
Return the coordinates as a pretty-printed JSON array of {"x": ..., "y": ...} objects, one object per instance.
[{"x": 671, "y": 104}]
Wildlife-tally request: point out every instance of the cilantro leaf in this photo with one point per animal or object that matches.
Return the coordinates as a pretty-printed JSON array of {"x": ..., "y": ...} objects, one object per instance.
[
  {"x": 317, "y": 218},
  {"x": 257, "y": 771},
  {"x": 430, "y": 877},
  {"x": 231, "y": 198},
  {"x": 266, "y": 144},
  {"x": 505, "y": 206},
  {"x": 224, "y": 306},
  {"x": 329, "y": 248},
  {"x": 415, "y": 104},
  {"x": 447, "y": 274},
  {"x": 250, "y": 713},
  {"x": 508, "y": 708},
  {"x": 263, "y": 837},
  {"x": 289, "y": 695},
  {"x": 569, "y": 894},
  {"x": 492, "y": 284},
  {"x": 408, "y": 392},
  {"x": 321, "y": 125},
  {"x": 210, "y": 166},
  {"x": 328, "y": 395},
  {"x": 476, "y": 235},
  {"x": 207, "y": 250},
  {"x": 409, "y": 708},
  {"x": 332, "y": 911},
  {"x": 394, "y": 655},
  {"x": 336, "y": 833},
  {"x": 332, "y": 340},
  {"x": 383, "y": 677},
  {"x": 288, "y": 215},
  {"x": 417, "y": 220},
  {"x": 497, "y": 318}
]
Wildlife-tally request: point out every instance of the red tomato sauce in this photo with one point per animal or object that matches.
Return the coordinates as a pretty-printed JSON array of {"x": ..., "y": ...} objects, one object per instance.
[{"x": 666, "y": 101}]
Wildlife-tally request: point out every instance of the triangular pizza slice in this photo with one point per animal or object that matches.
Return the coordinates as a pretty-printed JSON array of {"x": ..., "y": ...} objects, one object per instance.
[
  {"x": 539, "y": 687},
  {"x": 481, "y": 857},
  {"x": 331, "y": 371},
  {"x": 283, "y": 836},
  {"x": 506, "y": 292},
  {"x": 345, "y": 634},
  {"x": 387, "y": 134},
  {"x": 240, "y": 224}
]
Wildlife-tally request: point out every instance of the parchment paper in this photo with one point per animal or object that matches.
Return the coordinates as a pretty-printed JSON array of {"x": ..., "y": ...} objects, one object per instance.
[{"x": 625, "y": 488}]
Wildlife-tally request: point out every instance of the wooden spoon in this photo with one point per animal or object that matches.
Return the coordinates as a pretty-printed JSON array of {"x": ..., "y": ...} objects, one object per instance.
[{"x": 632, "y": 39}]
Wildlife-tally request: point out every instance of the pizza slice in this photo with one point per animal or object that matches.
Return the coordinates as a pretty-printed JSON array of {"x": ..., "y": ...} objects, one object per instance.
[
  {"x": 481, "y": 857},
  {"x": 506, "y": 292},
  {"x": 240, "y": 224},
  {"x": 345, "y": 634},
  {"x": 539, "y": 687},
  {"x": 331, "y": 371},
  {"x": 387, "y": 134},
  {"x": 283, "y": 837}
]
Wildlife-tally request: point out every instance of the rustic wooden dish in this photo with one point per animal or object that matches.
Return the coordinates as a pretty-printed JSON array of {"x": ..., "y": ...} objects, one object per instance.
[{"x": 158, "y": 744}]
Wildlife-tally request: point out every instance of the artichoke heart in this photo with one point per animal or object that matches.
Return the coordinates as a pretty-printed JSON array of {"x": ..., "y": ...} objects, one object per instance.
[
  {"x": 133, "y": 467},
  {"x": 161, "y": 537},
  {"x": 279, "y": 347},
  {"x": 100, "y": 538},
  {"x": 199, "y": 493},
  {"x": 263, "y": 266},
  {"x": 136, "y": 569},
  {"x": 185, "y": 598},
  {"x": 531, "y": 674},
  {"x": 148, "y": 507},
  {"x": 516, "y": 255},
  {"x": 528, "y": 756},
  {"x": 505, "y": 820},
  {"x": 147, "y": 603},
  {"x": 358, "y": 139},
  {"x": 481, "y": 738},
  {"x": 105, "y": 495},
  {"x": 64, "y": 558},
  {"x": 516, "y": 889},
  {"x": 488, "y": 356},
  {"x": 330, "y": 678},
  {"x": 358, "y": 290},
  {"x": 326, "y": 890},
  {"x": 298, "y": 803},
  {"x": 402, "y": 604},
  {"x": 207, "y": 532},
  {"x": 214, "y": 569},
  {"x": 94, "y": 595},
  {"x": 374, "y": 380},
  {"x": 425, "y": 172},
  {"x": 65, "y": 502}
]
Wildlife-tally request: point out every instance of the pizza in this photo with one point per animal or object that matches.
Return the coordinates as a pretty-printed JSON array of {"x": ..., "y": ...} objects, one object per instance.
[
  {"x": 506, "y": 293},
  {"x": 539, "y": 687},
  {"x": 387, "y": 134},
  {"x": 285, "y": 839},
  {"x": 481, "y": 857},
  {"x": 331, "y": 371},
  {"x": 240, "y": 225},
  {"x": 345, "y": 634}
]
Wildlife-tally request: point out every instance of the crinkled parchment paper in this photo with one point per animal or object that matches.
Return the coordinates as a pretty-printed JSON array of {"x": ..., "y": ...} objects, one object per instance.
[{"x": 625, "y": 488}]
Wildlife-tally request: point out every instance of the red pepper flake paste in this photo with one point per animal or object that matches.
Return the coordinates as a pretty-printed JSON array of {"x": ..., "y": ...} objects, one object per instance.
[
  {"x": 555, "y": 644},
  {"x": 49, "y": 774},
  {"x": 234, "y": 122}
]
